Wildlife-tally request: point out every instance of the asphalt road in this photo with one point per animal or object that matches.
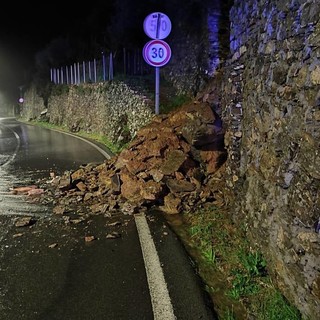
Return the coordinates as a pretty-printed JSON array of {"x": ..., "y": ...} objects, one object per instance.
[{"x": 84, "y": 267}]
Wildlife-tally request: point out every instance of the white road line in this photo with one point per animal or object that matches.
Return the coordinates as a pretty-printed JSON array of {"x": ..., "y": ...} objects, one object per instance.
[
  {"x": 16, "y": 149},
  {"x": 161, "y": 303},
  {"x": 104, "y": 153}
]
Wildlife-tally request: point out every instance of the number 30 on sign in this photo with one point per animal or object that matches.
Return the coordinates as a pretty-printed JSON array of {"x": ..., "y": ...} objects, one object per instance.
[{"x": 157, "y": 53}]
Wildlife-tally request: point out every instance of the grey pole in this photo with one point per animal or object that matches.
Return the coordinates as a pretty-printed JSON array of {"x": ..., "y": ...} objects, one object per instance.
[
  {"x": 84, "y": 71},
  {"x": 157, "y": 89},
  {"x": 67, "y": 75},
  {"x": 103, "y": 66},
  {"x": 78, "y": 69},
  {"x": 61, "y": 75},
  {"x": 95, "y": 70}
]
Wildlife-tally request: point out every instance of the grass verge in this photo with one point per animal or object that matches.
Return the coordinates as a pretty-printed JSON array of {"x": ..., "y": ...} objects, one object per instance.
[{"x": 235, "y": 273}]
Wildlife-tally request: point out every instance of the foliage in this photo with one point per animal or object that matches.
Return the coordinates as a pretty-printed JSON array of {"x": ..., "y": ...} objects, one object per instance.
[
  {"x": 254, "y": 263},
  {"x": 174, "y": 102},
  {"x": 226, "y": 252},
  {"x": 201, "y": 233},
  {"x": 242, "y": 285},
  {"x": 276, "y": 307},
  {"x": 228, "y": 315},
  {"x": 59, "y": 89}
]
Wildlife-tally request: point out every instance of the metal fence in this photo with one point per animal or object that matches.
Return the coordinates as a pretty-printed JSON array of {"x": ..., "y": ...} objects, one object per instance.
[{"x": 109, "y": 65}]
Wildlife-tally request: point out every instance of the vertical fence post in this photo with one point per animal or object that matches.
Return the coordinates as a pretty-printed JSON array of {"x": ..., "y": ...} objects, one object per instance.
[
  {"x": 67, "y": 75},
  {"x": 95, "y": 69},
  {"x": 84, "y": 71},
  {"x": 124, "y": 62},
  {"x": 110, "y": 66},
  {"x": 62, "y": 78},
  {"x": 71, "y": 74},
  {"x": 75, "y": 73},
  {"x": 89, "y": 70},
  {"x": 78, "y": 69},
  {"x": 103, "y": 67}
]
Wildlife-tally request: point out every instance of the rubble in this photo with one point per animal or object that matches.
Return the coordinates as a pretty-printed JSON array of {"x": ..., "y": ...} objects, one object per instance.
[{"x": 175, "y": 162}]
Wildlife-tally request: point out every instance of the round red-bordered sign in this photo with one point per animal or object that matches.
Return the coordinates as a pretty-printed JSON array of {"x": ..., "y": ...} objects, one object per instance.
[{"x": 156, "y": 53}]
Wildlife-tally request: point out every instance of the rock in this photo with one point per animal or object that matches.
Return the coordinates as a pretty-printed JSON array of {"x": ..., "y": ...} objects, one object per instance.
[
  {"x": 115, "y": 184},
  {"x": 172, "y": 204},
  {"x": 17, "y": 235},
  {"x": 81, "y": 186},
  {"x": 25, "y": 222},
  {"x": 152, "y": 190},
  {"x": 113, "y": 235},
  {"x": 35, "y": 192},
  {"x": 177, "y": 186},
  {"x": 89, "y": 238},
  {"x": 59, "y": 209},
  {"x": 53, "y": 245},
  {"x": 23, "y": 190},
  {"x": 173, "y": 162},
  {"x": 168, "y": 164}
]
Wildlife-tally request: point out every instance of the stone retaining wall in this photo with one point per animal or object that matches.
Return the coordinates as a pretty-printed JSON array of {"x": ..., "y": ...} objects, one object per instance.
[
  {"x": 271, "y": 111},
  {"x": 112, "y": 109}
]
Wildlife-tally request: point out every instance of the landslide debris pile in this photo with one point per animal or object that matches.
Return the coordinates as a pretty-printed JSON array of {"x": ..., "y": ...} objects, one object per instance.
[{"x": 172, "y": 163}]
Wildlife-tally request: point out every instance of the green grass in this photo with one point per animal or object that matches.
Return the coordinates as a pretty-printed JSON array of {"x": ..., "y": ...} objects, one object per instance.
[
  {"x": 228, "y": 315},
  {"x": 278, "y": 308},
  {"x": 254, "y": 263},
  {"x": 272, "y": 305},
  {"x": 242, "y": 285},
  {"x": 202, "y": 235},
  {"x": 224, "y": 247},
  {"x": 247, "y": 279}
]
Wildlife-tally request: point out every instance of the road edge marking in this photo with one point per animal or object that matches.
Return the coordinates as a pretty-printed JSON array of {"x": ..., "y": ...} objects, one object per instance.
[
  {"x": 160, "y": 299},
  {"x": 106, "y": 154},
  {"x": 16, "y": 149}
]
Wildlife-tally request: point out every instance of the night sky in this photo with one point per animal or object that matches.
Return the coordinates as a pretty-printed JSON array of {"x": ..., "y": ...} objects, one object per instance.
[{"x": 27, "y": 27}]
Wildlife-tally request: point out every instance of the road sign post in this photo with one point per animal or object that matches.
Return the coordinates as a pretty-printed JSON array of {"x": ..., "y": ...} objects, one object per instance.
[
  {"x": 157, "y": 52},
  {"x": 157, "y": 91}
]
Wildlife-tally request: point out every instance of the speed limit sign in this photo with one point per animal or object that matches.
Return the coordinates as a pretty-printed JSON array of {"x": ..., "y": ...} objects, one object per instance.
[
  {"x": 157, "y": 53},
  {"x": 157, "y": 25}
]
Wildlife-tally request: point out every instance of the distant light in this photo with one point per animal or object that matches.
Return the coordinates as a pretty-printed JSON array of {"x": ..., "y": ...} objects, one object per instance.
[{"x": 21, "y": 100}]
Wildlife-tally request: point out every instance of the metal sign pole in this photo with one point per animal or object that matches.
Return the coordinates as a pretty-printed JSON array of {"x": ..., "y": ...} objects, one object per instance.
[
  {"x": 157, "y": 89},
  {"x": 157, "y": 52}
]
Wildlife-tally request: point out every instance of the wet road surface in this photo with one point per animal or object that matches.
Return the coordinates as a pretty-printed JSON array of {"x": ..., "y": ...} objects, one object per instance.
[
  {"x": 29, "y": 153},
  {"x": 79, "y": 267}
]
